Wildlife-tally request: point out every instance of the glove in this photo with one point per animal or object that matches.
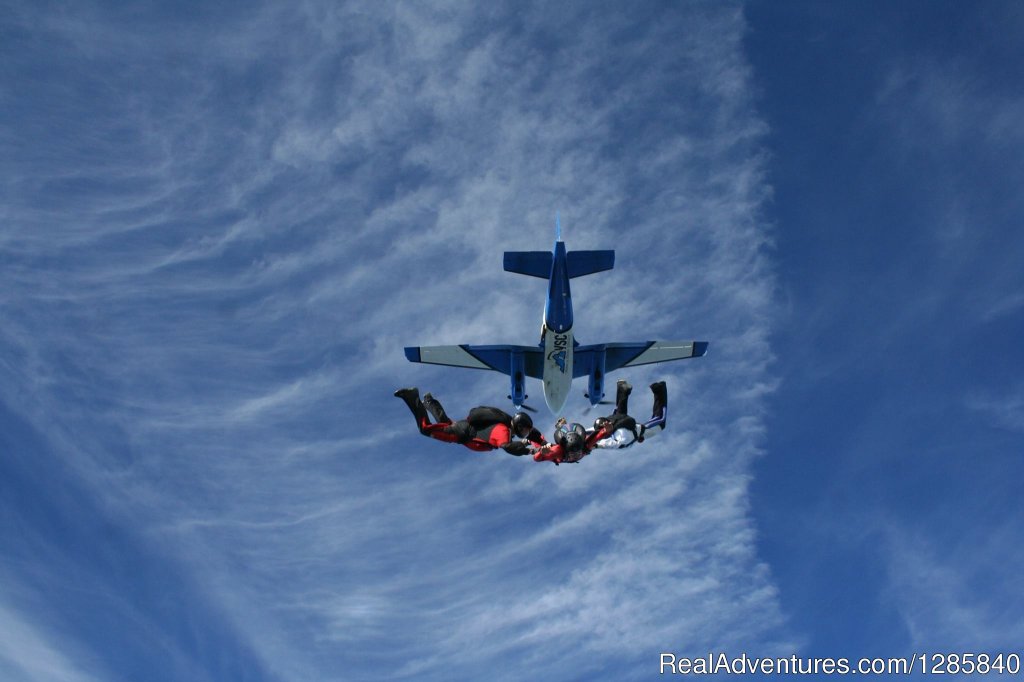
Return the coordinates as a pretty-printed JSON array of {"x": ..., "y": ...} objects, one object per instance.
[{"x": 517, "y": 448}]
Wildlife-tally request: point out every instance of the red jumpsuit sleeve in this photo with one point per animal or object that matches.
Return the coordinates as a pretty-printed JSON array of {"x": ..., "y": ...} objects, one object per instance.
[
  {"x": 554, "y": 454},
  {"x": 591, "y": 442}
]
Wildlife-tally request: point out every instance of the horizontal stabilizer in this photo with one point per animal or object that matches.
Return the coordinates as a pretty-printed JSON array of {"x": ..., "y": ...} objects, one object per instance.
[
  {"x": 455, "y": 356},
  {"x": 500, "y": 358},
  {"x": 588, "y": 262},
  {"x": 618, "y": 355},
  {"x": 532, "y": 263},
  {"x": 660, "y": 351}
]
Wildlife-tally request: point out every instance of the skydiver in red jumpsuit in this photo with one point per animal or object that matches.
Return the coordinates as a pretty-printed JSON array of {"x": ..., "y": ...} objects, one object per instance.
[{"x": 484, "y": 429}]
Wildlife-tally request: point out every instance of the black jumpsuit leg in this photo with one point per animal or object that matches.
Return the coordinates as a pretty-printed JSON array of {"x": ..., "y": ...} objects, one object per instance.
[
  {"x": 622, "y": 391},
  {"x": 411, "y": 397},
  {"x": 435, "y": 409},
  {"x": 660, "y": 392}
]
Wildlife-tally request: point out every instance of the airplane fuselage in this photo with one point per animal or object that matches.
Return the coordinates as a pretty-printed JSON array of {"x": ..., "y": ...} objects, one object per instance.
[
  {"x": 557, "y": 337},
  {"x": 557, "y": 367}
]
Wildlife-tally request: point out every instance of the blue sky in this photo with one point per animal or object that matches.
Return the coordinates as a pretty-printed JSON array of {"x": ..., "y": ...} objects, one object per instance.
[
  {"x": 888, "y": 505},
  {"x": 220, "y": 224}
]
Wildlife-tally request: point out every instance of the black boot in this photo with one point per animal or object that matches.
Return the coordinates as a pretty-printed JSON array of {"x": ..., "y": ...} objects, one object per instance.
[
  {"x": 622, "y": 391},
  {"x": 411, "y": 396},
  {"x": 404, "y": 393},
  {"x": 435, "y": 409},
  {"x": 660, "y": 392}
]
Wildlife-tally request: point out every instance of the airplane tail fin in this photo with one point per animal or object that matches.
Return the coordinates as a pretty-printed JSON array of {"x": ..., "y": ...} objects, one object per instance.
[
  {"x": 532, "y": 263},
  {"x": 577, "y": 263},
  {"x": 538, "y": 263},
  {"x": 588, "y": 262}
]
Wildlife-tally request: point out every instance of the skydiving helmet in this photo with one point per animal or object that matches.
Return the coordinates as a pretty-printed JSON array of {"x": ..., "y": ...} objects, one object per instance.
[
  {"x": 573, "y": 443},
  {"x": 572, "y": 438},
  {"x": 522, "y": 424}
]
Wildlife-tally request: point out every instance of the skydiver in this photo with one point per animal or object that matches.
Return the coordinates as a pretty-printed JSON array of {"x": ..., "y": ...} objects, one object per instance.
[
  {"x": 485, "y": 428},
  {"x": 618, "y": 430},
  {"x": 624, "y": 430}
]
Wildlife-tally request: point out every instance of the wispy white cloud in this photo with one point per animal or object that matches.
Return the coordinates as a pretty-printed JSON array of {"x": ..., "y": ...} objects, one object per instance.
[
  {"x": 1007, "y": 306},
  {"x": 28, "y": 654},
  {"x": 956, "y": 597},
  {"x": 947, "y": 126},
  {"x": 1005, "y": 410}
]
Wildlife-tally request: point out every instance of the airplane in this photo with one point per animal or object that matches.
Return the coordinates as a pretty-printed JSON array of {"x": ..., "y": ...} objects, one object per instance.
[{"x": 558, "y": 358}]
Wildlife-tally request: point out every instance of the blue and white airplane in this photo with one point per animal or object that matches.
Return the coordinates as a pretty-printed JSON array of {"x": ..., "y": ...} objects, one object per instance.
[{"x": 558, "y": 358}]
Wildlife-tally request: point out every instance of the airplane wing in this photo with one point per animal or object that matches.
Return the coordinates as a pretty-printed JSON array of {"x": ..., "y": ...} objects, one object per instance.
[
  {"x": 618, "y": 355},
  {"x": 498, "y": 358}
]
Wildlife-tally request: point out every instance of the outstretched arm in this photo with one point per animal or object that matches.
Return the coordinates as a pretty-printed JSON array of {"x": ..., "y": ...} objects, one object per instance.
[
  {"x": 619, "y": 439},
  {"x": 517, "y": 448},
  {"x": 548, "y": 453}
]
